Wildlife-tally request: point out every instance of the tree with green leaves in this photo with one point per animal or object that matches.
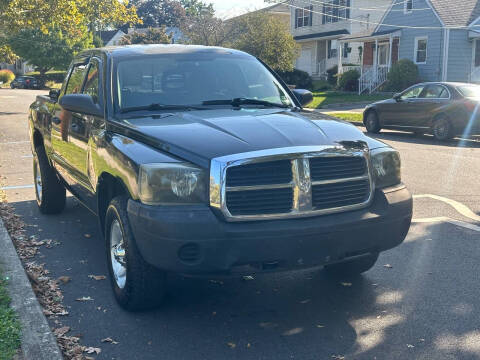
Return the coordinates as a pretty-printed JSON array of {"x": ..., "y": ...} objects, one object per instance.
[
  {"x": 196, "y": 7},
  {"x": 51, "y": 50},
  {"x": 206, "y": 29},
  {"x": 266, "y": 37},
  {"x": 151, "y": 36},
  {"x": 155, "y": 13}
]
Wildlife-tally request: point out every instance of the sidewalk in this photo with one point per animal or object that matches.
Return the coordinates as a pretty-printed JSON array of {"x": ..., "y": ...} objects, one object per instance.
[{"x": 38, "y": 342}]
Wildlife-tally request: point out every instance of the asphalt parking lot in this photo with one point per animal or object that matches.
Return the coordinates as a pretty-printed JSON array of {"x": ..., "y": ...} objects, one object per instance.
[{"x": 419, "y": 302}]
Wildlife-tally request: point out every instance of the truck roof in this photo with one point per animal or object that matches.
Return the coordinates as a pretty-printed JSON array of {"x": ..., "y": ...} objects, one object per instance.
[{"x": 158, "y": 49}]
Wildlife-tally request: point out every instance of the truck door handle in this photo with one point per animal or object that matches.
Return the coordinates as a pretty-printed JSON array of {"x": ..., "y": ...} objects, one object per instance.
[{"x": 56, "y": 120}]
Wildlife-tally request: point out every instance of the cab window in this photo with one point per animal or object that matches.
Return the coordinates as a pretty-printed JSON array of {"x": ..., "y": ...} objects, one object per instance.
[
  {"x": 75, "y": 82},
  {"x": 92, "y": 82}
]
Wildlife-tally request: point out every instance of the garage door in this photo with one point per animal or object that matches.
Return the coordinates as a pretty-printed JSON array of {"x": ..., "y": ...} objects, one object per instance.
[{"x": 304, "y": 62}]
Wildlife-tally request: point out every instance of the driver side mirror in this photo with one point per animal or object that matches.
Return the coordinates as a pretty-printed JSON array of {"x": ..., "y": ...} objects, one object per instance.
[
  {"x": 397, "y": 96},
  {"x": 81, "y": 103},
  {"x": 54, "y": 94},
  {"x": 305, "y": 97}
]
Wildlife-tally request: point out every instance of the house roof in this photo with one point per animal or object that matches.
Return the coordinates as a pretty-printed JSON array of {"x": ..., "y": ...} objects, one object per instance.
[
  {"x": 454, "y": 14},
  {"x": 107, "y": 35}
]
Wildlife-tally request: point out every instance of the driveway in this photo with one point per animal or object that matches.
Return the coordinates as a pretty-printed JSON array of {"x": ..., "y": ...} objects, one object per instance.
[{"x": 419, "y": 302}]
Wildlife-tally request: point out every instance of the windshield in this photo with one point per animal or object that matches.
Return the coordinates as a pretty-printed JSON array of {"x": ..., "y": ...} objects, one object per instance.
[
  {"x": 194, "y": 79},
  {"x": 470, "y": 91}
]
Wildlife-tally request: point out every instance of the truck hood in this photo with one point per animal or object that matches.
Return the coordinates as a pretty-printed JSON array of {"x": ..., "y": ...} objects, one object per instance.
[{"x": 199, "y": 136}]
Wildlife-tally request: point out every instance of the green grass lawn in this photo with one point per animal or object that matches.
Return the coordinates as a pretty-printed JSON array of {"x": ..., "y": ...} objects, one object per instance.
[
  {"x": 352, "y": 117},
  {"x": 9, "y": 325},
  {"x": 323, "y": 98}
]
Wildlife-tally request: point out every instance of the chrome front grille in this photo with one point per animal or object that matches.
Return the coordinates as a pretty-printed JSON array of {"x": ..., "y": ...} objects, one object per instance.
[{"x": 290, "y": 182}]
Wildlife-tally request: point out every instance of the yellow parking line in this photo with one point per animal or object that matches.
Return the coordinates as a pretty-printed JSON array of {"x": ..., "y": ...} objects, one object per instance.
[{"x": 459, "y": 207}]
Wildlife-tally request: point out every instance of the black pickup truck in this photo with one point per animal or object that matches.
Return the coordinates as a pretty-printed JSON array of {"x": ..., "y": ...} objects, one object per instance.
[{"x": 201, "y": 161}]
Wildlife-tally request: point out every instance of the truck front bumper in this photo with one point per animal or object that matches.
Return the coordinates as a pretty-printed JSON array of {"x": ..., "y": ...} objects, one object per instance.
[{"x": 193, "y": 240}]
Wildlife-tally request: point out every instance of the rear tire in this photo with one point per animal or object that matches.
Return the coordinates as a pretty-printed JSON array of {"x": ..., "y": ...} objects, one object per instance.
[
  {"x": 49, "y": 191},
  {"x": 372, "y": 123},
  {"x": 442, "y": 129},
  {"x": 136, "y": 284},
  {"x": 352, "y": 267}
]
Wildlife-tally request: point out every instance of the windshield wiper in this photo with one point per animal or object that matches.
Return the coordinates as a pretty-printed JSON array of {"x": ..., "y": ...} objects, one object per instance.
[
  {"x": 156, "y": 107},
  {"x": 244, "y": 101}
]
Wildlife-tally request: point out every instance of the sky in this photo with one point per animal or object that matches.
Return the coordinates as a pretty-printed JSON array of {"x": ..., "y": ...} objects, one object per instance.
[{"x": 229, "y": 8}]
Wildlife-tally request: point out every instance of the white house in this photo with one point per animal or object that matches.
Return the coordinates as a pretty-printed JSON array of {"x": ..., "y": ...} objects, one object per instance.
[
  {"x": 111, "y": 37},
  {"x": 318, "y": 25}
]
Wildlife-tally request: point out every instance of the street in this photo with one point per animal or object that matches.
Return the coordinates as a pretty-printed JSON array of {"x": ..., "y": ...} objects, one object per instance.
[{"x": 419, "y": 302}]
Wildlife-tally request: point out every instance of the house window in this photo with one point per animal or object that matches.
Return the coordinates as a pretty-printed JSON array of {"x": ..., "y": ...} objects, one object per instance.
[
  {"x": 408, "y": 6},
  {"x": 332, "y": 49},
  {"x": 303, "y": 17},
  {"x": 421, "y": 50},
  {"x": 345, "y": 50},
  {"x": 335, "y": 11}
]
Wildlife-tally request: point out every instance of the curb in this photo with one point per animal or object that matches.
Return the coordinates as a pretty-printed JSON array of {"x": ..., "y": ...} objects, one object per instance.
[
  {"x": 38, "y": 341},
  {"x": 345, "y": 105}
]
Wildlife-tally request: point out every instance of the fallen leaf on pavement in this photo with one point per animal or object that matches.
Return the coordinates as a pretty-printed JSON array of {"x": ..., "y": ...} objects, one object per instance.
[
  {"x": 410, "y": 346},
  {"x": 293, "y": 331},
  {"x": 306, "y": 301},
  {"x": 232, "y": 345},
  {"x": 92, "y": 350},
  {"x": 219, "y": 282},
  {"x": 388, "y": 266},
  {"x": 346, "y": 284},
  {"x": 338, "y": 357},
  {"x": 61, "y": 331},
  {"x": 85, "y": 298},
  {"x": 109, "y": 340},
  {"x": 87, "y": 236},
  {"x": 248, "y": 278},
  {"x": 320, "y": 326},
  {"x": 64, "y": 279},
  {"x": 97, "y": 277}
]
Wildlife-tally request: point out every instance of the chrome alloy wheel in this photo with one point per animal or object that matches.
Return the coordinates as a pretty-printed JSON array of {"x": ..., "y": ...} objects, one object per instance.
[
  {"x": 38, "y": 179},
  {"x": 117, "y": 254}
]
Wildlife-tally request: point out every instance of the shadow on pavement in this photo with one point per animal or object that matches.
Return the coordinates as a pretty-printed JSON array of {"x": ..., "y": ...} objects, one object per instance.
[{"x": 424, "y": 306}]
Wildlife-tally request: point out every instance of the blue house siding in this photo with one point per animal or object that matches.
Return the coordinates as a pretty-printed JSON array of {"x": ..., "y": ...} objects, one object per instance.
[
  {"x": 432, "y": 70},
  {"x": 459, "y": 56}
]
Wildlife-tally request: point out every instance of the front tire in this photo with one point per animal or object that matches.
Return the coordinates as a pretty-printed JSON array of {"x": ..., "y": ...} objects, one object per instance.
[
  {"x": 352, "y": 267},
  {"x": 372, "y": 122},
  {"x": 442, "y": 129},
  {"x": 136, "y": 284},
  {"x": 49, "y": 191}
]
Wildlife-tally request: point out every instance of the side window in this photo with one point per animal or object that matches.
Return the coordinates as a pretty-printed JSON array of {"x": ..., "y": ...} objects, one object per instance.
[
  {"x": 412, "y": 93},
  {"x": 92, "y": 82},
  {"x": 435, "y": 92},
  {"x": 75, "y": 82}
]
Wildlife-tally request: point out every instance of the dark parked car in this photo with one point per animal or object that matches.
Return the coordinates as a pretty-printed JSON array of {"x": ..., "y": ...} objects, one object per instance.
[
  {"x": 442, "y": 109},
  {"x": 201, "y": 161},
  {"x": 26, "y": 82}
]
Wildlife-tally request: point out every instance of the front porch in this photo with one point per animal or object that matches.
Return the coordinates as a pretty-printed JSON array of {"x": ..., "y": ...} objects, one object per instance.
[
  {"x": 322, "y": 54},
  {"x": 380, "y": 52}
]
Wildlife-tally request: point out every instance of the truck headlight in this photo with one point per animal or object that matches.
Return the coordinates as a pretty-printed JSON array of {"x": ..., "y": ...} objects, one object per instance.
[
  {"x": 386, "y": 165},
  {"x": 171, "y": 183}
]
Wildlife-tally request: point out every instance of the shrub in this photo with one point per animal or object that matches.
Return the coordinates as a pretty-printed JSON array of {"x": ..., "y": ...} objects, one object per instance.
[
  {"x": 402, "y": 75},
  {"x": 348, "y": 81},
  {"x": 332, "y": 75},
  {"x": 321, "y": 85},
  {"x": 299, "y": 78},
  {"x": 6, "y": 76}
]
